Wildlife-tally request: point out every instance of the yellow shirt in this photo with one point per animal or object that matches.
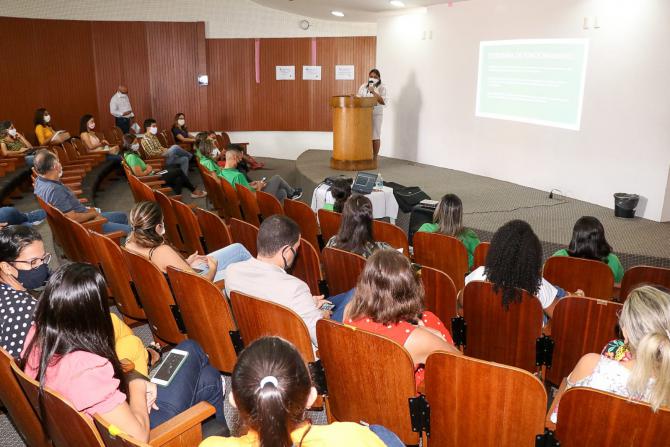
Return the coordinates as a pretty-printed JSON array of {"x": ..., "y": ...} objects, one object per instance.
[
  {"x": 334, "y": 435},
  {"x": 44, "y": 134}
]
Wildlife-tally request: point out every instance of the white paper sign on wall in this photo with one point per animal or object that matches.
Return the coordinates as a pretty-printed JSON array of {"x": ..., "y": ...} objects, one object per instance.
[
  {"x": 285, "y": 72},
  {"x": 311, "y": 72},
  {"x": 344, "y": 72}
]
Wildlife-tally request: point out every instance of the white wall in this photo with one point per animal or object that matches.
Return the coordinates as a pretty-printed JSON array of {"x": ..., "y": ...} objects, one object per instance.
[
  {"x": 286, "y": 145},
  {"x": 624, "y": 141}
]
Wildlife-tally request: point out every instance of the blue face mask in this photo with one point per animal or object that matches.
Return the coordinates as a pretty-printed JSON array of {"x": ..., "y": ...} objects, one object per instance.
[{"x": 34, "y": 278}]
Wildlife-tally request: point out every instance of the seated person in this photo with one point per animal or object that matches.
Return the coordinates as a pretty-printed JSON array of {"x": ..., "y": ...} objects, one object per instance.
[
  {"x": 80, "y": 362},
  {"x": 276, "y": 186},
  {"x": 220, "y": 159},
  {"x": 272, "y": 390},
  {"x": 147, "y": 240},
  {"x": 340, "y": 191},
  {"x": 180, "y": 131},
  {"x": 448, "y": 219},
  {"x": 175, "y": 155},
  {"x": 514, "y": 263},
  {"x": 13, "y": 144},
  {"x": 91, "y": 140},
  {"x": 266, "y": 276},
  {"x": 355, "y": 233},
  {"x": 637, "y": 367},
  {"x": 174, "y": 177},
  {"x": 44, "y": 131},
  {"x": 49, "y": 188},
  {"x": 11, "y": 216},
  {"x": 389, "y": 301},
  {"x": 589, "y": 242}
]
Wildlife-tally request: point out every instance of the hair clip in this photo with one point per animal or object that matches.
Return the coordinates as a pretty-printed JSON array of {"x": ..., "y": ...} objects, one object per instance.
[{"x": 269, "y": 379}]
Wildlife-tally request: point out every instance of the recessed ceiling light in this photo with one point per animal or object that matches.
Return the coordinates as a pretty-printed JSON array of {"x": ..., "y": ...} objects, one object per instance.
[
  {"x": 337, "y": 13},
  {"x": 397, "y": 3}
]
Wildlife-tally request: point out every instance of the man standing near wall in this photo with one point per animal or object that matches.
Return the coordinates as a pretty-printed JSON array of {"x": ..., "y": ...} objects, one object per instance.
[{"x": 120, "y": 108}]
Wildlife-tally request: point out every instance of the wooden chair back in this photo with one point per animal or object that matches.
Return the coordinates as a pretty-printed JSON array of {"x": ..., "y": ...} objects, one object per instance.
[
  {"x": 140, "y": 190},
  {"x": 587, "y": 417},
  {"x": 114, "y": 135},
  {"x": 18, "y": 407},
  {"x": 380, "y": 387},
  {"x": 512, "y": 401},
  {"x": 249, "y": 205},
  {"x": 232, "y": 205},
  {"x": 578, "y": 326},
  {"x": 440, "y": 293},
  {"x": 342, "y": 268},
  {"x": 189, "y": 228},
  {"x": 391, "y": 234},
  {"x": 117, "y": 439},
  {"x": 207, "y": 316},
  {"x": 329, "y": 221},
  {"x": 595, "y": 278},
  {"x": 163, "y": 138},
  {"x": 64, "y": 425},
  {"x": 156, "y": 298},
  {"x": 481, "y": 251},
  {"x": 306, "y": 220},
  {"x": 214, "y": 230},
  {"x": 81, "y": 236},
  {"x": 214, "y": 191},
  {"x": 497, "y": 334},
  {"x": 643, "y": 275},
  {"x": 307, "y": 266},
  {"x": 444, "y": 253},
  {"x": 172, "y": 229},
  {"x": 61, "y": 236},
  {"x": 268, "y": 205},
  {"x": 244, "y": 233},
  {"x": 118, "y": 278}
]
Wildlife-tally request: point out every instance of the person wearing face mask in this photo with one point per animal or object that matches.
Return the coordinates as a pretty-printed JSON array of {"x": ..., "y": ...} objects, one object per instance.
[
  {"x": 266, "y": 276},
  {"x": 375, "y": 89},
  {"x": 51, "y": 190},
  {"x": 13, "y": 144},
  {"x": 172, "y": 175},
  {"x": 179, "y": 130},
  {"x": 44, "y": 131},
  {"x": 91, "y": 140},
  {"x": 174, "y": 155},
  {"x": 147, "y": 240},
  {"x": 121, "y": 110}
]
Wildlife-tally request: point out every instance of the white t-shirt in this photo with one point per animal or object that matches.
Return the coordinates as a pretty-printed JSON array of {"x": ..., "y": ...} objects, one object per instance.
[
  {"x": 546, "y": 294},
  {"x": 381, "y": 91}
]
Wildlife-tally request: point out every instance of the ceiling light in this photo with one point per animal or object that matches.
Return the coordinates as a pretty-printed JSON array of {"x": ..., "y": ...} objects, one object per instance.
[
  {"x": 337, "y": 13},
  {"x": 397, "y": 3}
]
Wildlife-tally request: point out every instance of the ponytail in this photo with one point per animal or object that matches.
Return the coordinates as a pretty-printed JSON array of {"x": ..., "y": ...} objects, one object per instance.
[
  {"x": 272, "y": 417},
  {"x": 652, "y": 360}
]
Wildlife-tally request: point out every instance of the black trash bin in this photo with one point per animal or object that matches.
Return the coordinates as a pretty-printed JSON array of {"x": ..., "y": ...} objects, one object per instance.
[{"x": 625, "y": 204}]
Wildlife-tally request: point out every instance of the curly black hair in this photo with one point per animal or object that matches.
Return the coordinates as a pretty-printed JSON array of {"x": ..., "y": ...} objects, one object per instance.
[{"x": 514, "y": 261}]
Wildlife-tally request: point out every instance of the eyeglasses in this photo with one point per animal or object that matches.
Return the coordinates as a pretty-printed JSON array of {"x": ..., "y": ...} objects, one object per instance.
[{"x": 36, "y": 262}]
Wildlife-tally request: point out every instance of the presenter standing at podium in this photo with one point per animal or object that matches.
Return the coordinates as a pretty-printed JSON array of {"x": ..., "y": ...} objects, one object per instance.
[{"x": 375, "y": 88}]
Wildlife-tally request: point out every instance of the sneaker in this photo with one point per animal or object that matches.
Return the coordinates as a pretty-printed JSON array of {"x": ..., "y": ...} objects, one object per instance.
[
  {"x": 198, "y": 194},
  {"x": 297, "y": 193},
  {"x": 36, "y": 222}
]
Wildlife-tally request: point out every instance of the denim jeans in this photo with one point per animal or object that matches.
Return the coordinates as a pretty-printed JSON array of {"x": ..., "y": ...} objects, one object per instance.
[
  {"x": 196, "y": 381},
  {"x": 12, "y": 216},
  {"x": 175, "y": 155},
  {"x": 226, "y": 256},
  {"x": 116, "y": 221},
  {"x": 387, "y": 436},
  {"x": 340, "y": 301}
]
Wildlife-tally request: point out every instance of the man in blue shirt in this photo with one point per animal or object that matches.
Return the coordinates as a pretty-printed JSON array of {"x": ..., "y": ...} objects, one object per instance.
[{"x": 49, "y": 188}]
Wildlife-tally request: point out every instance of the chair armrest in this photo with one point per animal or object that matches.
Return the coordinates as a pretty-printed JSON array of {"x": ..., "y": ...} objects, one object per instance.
[
  {"x": 184, "y": 422},
  {"x": 166, "y": 191},
  {"x": 116, "y": 236},
  {"x": 95, "y": 224}
]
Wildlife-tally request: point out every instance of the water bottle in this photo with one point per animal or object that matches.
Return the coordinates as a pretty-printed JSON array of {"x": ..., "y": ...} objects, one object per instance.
[{"x": 379, "y": 183}]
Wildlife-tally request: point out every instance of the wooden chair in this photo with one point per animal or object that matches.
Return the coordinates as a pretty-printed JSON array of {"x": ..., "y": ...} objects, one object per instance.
[
  {"x": 391, "y": 234},
  {"x": 214, "y": 230},
  {"x": 342, "y": 269},
  {"x": 232, "y": 201},
  {"x": 141, "y": 191},
  {"x": 118, "y": 278},
  {"x": 372, "y": 371},
  {"x": 501, "y": 335},
  {"x": 587, "y": 417},
  {"x": 444, "y": 253},
  {"x": 440, "y": 294},
  {"x": 595, "y": 278},
  {"x": 67, "y": 427},
  {"x": 214, "y": 190},
  {"x": 579, "y": 326},
  {"x": 114, "y": 135},
  {"x": 306, "y": 220},
  {"x": 18, "y": 407},
  {"x": 643, "y": 275},
  {"x": 481, "y": 251},
  {"x": 152, "y": 287},
  {"x": 268, "y": 204},
  {"x": 249, "y": 205},
  {"x": 189, "y": 228},
  {"x": 224, "y": 140},
  {"x": 329, "y": 221},
  {"x": 244, "y": 233},
  {"x": 207, "y": 317},
  {"x": 172, "y": 229},
  {"x": 307, "y": 266},
  {"x": 473, "y": 402}
]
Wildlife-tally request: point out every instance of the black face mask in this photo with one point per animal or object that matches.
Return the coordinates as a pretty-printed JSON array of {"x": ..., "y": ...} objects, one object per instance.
[
  {"x": 286, "y": 264},
  {"x": 34, "y": 278}
]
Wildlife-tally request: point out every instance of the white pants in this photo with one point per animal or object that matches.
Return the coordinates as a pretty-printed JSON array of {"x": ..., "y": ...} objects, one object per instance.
[{"x": 377, "y": 125}]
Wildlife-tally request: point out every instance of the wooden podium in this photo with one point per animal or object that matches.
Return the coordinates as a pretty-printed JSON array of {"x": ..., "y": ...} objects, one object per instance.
[{"x": 352, "y": 133}]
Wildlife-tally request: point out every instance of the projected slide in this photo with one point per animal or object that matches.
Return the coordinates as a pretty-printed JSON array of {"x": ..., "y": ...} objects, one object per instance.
[{"x": 538, "y": 81}]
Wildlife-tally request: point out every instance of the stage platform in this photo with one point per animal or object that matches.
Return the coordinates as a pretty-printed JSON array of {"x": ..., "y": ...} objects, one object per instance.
[{"x": 489, "y": 203}]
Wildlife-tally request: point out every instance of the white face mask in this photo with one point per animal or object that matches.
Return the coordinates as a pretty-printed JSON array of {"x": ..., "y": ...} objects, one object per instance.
[
  {"x": 372, "y": 81},
  {"x": 91, "y": 126},
  {"x": 47, "y": 118},
  {"x": 12, "y": 132},
  {"x": 135, "y": 147},
  {"x": 153, "y": 130},
  {"x": 215, "y": 153},
  {"x": 181, "y": 122}
]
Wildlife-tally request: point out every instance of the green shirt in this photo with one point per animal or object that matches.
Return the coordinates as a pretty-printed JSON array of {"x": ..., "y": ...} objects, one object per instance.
[
  {"x": 329, "y": 207},
  {"x": 133, "y": 160},
  {"x": 612, "y": 261},
  {"x": 232, "y": 175},
  {"x": 468, "y": 237}
]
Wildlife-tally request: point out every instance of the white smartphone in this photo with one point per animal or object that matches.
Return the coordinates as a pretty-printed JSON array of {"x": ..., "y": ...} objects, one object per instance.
[
  {"x": 166, "y": 371},
  {"x": 164, "y": 171}
]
